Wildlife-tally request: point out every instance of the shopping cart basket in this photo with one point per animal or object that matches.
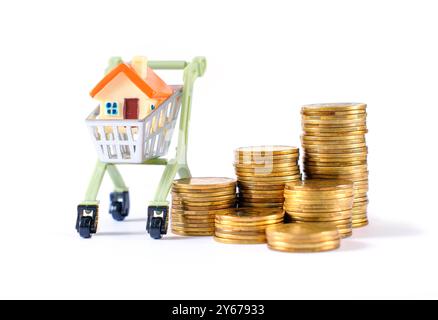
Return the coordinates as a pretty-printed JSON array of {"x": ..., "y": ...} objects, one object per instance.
[{"x": 142, "y": 141}]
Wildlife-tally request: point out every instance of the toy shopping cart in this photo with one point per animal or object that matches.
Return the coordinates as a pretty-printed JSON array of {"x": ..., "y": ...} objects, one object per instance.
[{"x": 141, "y": 141}]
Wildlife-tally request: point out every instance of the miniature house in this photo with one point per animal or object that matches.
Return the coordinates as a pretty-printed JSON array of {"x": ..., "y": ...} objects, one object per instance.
[{"x": 129, "y": 90}]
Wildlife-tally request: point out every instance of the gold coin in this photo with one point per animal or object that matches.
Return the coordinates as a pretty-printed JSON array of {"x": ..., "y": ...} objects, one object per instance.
[
  {"x": 361, "y": 217},
  {"x": 244, "y": 194},
  {"x": 317, "y": 202},
  {"x": 203, "y": 183},
  {"x": 184, "y": 225},
  {"x": 202, "y": 196},
  {"x": 184, "y": 229},
  {"x": 240, "y": 237},
  {"x": 334, "y": 171},
  {"x": 338, "y": 122},
  {"x": 307, "y": 113},
  {"x": 346, "y": 138},
  {"x": 321, "y": 214},
  {"x": 338, "y": 134},
  {"x": 322, "y": 164},
  {"x": 250, "y": 224},
  {"x": 316, "y": 196},
  {"x": 360, "y": 199},
  {"x": 321, "y": 161},
  {"x": 264, "y": 199},
  {"x": 261, "y": 205},
  {"x": 261, "y": 200},
  {"x": 360, "y": 225},
  {"x": 333, "y": 143},
  {"x": 229, "y": 202},
  {"x": 257, "y": 157},
  {"x": 315, "y": 211},
  {"x": 328, "y": 107},
  {"x": 320, "y": 185},
  {"x": 320, "y": 150},
  {"x": 243, "y": 186},
  {"x": 276, "y": 242},
  {"x": 357, "y": 116},
  {"x": 322, "y": 249},
  {"x": 333, "y": 147},
  {"x": 360, "y": 207},
  {"x": 250, "y": 232},
  {"x": 268, "y": 169},
  {"x": 200, "y": 208},
  {"x": 192, "y": 233},
  {"x": 240, "y": 241},
  {"x": 261, "y": 195},
  {"x": 203, "y": 203},
  {"x": 297, "y": 219},
  {"x": 332, "y": 130},
  {"x": 302, "y": 231},
  {"x": 344, "y": 124},
  {"x": 192, "y": 221},
  {"x": 252, "y": 214},
  {"x": 277, "y": 150},
  {"x": 268, "y": 165},
  {"x": 195, "y": 213},
  {"x": 269, "y": 180},
  {"x": 267, "y": 174},
  {"x": 351, "y": 177}
]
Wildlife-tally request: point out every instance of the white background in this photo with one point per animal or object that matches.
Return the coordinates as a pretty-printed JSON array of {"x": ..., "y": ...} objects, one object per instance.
[{"x": 265, "y": 59}]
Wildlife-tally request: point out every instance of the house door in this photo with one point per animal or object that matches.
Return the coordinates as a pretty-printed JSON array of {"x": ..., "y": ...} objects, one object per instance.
[{"x": 131, "y": 109}]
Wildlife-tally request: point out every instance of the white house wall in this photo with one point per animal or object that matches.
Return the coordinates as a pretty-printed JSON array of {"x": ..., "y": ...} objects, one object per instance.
[{"x": 116, "y": 91}]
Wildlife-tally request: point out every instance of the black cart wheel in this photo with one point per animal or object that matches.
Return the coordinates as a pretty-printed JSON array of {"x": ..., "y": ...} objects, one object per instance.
[
  {"x": 116, "y": 211},
  {"x": 157, "y": 221},
  {"x": 119, "y": 206},
  {"x": 155, "y": 229},
  {"x": 85, "y": 227},
  {"x": 86, "y": 222}
]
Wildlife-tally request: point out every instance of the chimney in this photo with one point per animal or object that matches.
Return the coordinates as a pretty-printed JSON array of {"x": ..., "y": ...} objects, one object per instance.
[{"x": 140, "y": 65}]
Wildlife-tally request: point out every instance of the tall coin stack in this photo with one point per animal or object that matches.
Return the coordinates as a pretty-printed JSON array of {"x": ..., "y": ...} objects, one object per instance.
[
  {"x": 335, "y": 148},
  {"x": 315, "y": 201},
  {"x": 196, "y": 202},
  {"x": 246, "y": 225},
  {"x": 262, "y": 173}
]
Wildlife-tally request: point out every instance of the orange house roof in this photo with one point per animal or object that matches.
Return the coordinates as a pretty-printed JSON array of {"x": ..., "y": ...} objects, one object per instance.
[{"x": 153, "y": 86}]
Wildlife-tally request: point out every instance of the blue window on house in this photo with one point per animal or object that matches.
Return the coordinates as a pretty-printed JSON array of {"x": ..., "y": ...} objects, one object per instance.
[
  {"x": 112, "y": 108},
  {"x": 152, "y": 107}
]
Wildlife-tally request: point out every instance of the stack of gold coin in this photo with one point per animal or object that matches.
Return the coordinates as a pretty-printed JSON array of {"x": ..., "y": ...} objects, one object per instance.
[
  {"x": 313, "y": 201},
  {"x": 246, "y": 225},
  {"x": 305, "y": 237},
  {"x": 196, "y": 202},
  {"x": 335, "y": 148},
  {"x": 262, "y": 173}
]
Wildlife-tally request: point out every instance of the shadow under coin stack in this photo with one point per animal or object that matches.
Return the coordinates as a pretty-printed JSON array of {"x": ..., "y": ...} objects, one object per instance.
[
  {"x": 262, "y": 173},
  {"x": 306, "y": 237},
  {"x": 196, "y": 202},
  {"x": 246, "y": 225},
  {"x": 314, "y": 201},
  {"x": 335, "y": 148}
]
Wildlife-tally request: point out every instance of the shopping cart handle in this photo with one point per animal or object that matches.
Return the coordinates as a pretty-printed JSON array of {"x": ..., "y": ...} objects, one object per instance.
[
  {"x": 167, "y": 65},
  {"x": 196, "y": 68}
]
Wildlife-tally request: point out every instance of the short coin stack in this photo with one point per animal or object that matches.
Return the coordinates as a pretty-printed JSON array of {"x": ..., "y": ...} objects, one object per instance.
[
  {"x": 246, "y": 225},
  {"x": 335, "y": 148},
  {"x": 313, "y": 201},
  {"x": 196, "y": 202},
  {"x": 262, "y": 173},
  {"x": 305, "y": 237}
]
